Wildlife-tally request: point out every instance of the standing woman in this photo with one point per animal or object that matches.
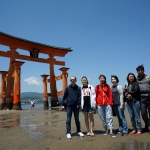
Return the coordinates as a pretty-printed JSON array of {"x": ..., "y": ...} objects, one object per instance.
[
  {"x": 88, "y": 104},
  {"x": 132, "y": 93},
  {"x": 118, "y": 106},
  {"x": 104, "y": 103}
]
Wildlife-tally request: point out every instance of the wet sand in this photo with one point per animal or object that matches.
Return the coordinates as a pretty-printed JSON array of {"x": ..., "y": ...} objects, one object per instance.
[{"x": 45, "y": 130}]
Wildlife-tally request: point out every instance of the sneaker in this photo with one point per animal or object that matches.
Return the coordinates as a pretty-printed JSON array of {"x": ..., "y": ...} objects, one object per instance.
[
  {"x": 124, "y": 134},
  {"x": 139, "y": 132},
  {"x": 133, "y": 132},
  {"x": 106, "y": 132},
  {"x": 113, "y": 135},
  {"x": 117, "y": 131},
  {"x": 68, "y": 136},
  {"x": 80, "y": 133}
]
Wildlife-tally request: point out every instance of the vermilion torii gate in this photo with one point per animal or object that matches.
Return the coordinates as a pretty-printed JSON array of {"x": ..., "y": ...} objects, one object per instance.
[{"x": 10, "y": 88}]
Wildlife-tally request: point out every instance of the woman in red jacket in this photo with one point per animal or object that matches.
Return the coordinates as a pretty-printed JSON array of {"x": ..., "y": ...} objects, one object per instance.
[{"x": 104, "y": 102}]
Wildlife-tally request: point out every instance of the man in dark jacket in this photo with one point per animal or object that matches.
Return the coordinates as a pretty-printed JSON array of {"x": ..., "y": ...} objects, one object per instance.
[
  {"x": 144, "y": 83},
  {"x": 71, "y": 102}
]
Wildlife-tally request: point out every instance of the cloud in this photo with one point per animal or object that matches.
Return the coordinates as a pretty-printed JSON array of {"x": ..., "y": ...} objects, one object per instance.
[{"x": 33, "y": 81}]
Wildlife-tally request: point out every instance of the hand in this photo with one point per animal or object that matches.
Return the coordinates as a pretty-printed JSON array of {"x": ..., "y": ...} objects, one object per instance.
[
  {"x": 79, "y": 107},
  {"x": 94, "y": 107},
  {"x": 62, "y": 108},
  {"x": 129, "y": 96},
  {"x": 121, "y": 106},
  {"x": 126, "y": 94}
]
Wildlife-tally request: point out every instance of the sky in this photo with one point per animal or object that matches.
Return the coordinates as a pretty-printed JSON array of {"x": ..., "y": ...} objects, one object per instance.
[{"x": 110, "y": 37}]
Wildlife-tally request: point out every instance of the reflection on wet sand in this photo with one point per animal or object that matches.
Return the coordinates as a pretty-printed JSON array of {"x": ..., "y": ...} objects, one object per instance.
[
  {"x": 132, "y": 145},
  {"x": 9, "y": 120}
]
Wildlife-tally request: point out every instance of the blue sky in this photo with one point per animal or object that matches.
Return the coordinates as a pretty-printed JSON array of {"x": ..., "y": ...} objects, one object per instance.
[{"x": 107, "y": 37}]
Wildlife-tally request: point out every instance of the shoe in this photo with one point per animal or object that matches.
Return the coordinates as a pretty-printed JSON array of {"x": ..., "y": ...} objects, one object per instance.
[
  {"x": 106, "y": 132},
  {"x": 117, "y": 131},
  {"x": 113, "y": 135},
  {"x": 145, "y": 130},
  {"x": 68, "y": 136},
  {"x": 139, "y": 132},
  {"x": 80, "y": 133},
  {"x": 133, "y": 132},
  {"x": 124, "y": 134}
]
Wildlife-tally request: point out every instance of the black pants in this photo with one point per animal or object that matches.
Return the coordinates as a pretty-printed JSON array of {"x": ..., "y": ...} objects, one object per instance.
[{"x": 145, "y": 109}]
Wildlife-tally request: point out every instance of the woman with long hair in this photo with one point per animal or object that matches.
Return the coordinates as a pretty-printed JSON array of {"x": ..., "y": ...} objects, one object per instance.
[
  {"x": 104, "y": 102},
  {"x": 132, "y": 93},
  {"x": 118, "y": 105},
  {"x": 88, "y": 104}
]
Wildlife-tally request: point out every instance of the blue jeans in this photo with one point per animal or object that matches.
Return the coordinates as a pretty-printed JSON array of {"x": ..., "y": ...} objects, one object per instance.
[
  {"x": 69, "y": 111},
  {"x": 121, "y": 118},
  {"x": 105, "y": 114},
  {"x": 134, "y": 112}
]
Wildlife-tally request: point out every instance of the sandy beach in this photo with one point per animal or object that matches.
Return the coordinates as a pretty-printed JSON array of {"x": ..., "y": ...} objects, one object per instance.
[{"x": 45, "y": 130}]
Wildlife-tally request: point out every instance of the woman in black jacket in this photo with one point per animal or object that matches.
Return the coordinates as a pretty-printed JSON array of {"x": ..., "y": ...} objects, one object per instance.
[{"x": 132, "y": 93}]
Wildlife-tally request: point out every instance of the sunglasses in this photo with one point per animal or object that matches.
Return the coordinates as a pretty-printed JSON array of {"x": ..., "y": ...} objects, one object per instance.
[{"x": 72, "y": 79}]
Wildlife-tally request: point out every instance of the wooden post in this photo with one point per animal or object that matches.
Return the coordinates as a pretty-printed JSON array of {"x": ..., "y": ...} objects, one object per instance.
[
  {"x": 64, "y": 77},
  {"x": 3, "y": 89},
  {"x": 53, "y": 88},
  {"x": 17, "y": 72},
  {"x": 10, "y": 80},
  {"x": 45, "y": 95}
]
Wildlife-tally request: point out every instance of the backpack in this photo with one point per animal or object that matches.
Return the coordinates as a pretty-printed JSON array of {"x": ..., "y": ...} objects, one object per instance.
[{"x": 144, "y": 85}]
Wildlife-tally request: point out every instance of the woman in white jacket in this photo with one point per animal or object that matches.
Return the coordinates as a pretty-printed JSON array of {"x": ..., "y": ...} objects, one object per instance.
[{"x": 88, "y": 104}]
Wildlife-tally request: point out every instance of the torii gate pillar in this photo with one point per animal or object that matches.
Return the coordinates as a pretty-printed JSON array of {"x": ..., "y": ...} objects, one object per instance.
[
  {"x": 45, "y": 94},
  {"x": 64, "y": 76},
  {"x": 3, "y": 89},
  {"x": 16, "y": 75}
]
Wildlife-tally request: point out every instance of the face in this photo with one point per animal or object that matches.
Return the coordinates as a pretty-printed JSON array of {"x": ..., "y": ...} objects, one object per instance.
[
  {"x": 131, "y": 78},
  {"x": 102, "y": 80},
  {"x": 73, "y": 80},
  {"x": 140, "y": 72},
  {"x": 113, "y": 81},
  {"x": 84, "y": 81}
]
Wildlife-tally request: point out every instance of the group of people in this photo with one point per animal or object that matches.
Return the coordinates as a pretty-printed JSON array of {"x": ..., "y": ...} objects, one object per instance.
[{"x": 109, "y": 101}]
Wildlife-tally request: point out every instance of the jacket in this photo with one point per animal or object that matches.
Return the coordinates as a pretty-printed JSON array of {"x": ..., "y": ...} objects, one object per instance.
[
  {"x": 72, "y": 96},
  {"x": 121, "y": 95},
  {"x": 92, "y": 96},
  {"x": 144, "y": 84},
  {"x": 135, "y": 91},
  {"x": 103, "y": 95}
]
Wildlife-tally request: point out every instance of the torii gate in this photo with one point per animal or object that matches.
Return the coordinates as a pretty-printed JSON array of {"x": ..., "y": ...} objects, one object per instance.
[{"x": 12, "y": 97}]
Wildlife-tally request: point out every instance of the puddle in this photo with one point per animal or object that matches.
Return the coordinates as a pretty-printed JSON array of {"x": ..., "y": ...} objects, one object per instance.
[
  {"x": 132, "y": 145},
  {"x": 9, "y": 120},
  {"x": 29, "y": 122}
]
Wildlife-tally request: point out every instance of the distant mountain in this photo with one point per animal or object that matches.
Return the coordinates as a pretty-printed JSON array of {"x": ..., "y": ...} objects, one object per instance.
[{"x": 32, "y": 95}]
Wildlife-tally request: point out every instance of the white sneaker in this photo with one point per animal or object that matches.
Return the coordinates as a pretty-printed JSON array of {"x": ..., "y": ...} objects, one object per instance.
[
  {"x": 80, "y": 133},
  {"x": 68, "y": 136}
]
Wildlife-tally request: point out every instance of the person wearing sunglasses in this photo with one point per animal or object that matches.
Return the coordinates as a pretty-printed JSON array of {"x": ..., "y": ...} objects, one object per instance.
[
  {"x": 72, "y": 102},
  {"x": 88, "y": 104}
]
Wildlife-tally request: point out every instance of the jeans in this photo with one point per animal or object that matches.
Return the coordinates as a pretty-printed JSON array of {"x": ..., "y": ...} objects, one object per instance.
[
  {"x": 145, "y": 108},
  {"x": 134, "y": 112},
  {"x": 69, "y": 111},
  {"x": 105, "y": 114},
  {"x": 121, "y": 118}
]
